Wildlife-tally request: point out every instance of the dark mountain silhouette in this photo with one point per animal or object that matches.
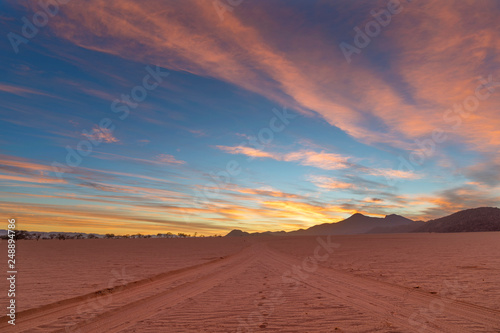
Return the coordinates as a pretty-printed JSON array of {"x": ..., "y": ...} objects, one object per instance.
[
  {"x": 237, "y": 233},
  {"x": 356, "y": 224},
  {"x": 399, "y": 229},
  {"x": 470, "y": 220}
]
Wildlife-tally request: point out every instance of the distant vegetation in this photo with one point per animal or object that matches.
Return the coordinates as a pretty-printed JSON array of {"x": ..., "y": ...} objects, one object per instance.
[{"x": 23, "y": 234}]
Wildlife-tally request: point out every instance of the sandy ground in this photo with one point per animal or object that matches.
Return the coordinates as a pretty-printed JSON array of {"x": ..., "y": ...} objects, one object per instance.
[{"x": 365, "y": 283}]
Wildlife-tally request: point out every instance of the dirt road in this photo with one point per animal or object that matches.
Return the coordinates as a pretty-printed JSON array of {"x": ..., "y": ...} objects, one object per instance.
[{"x": 258, "y": 289}]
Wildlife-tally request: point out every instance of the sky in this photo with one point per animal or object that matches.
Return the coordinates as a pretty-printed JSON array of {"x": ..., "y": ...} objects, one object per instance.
[{"x": 206, "y": 116}]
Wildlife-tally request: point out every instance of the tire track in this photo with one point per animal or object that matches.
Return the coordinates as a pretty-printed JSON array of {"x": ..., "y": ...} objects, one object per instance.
[
  {"x": 67, "y": 315},
  {"x": 143, "y": 308},
  {"x": 377, "y": 297}
]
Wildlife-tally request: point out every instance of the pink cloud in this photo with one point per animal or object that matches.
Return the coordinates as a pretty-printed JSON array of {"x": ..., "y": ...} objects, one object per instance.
[
  {"x": 312, "y": 77},
  {"x": 248, "y": 151},
  {"x": 330, "y": 183},
  {"x": 21, "y": 91},
  {"x": 101, "y": 134},
  {"x": 168, "y": 159},
  {"x": 322, "y": 160}
]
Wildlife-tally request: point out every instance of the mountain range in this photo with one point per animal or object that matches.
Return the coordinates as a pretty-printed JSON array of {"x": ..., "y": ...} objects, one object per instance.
[{"x": 470, "y": 220}]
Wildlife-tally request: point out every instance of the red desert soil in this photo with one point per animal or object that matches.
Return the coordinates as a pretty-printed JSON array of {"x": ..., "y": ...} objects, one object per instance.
[{"x": 364, "y": 283}]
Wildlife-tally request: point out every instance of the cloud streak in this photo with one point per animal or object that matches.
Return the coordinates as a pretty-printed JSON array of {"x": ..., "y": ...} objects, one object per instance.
[{"x": 242, "y": 52}]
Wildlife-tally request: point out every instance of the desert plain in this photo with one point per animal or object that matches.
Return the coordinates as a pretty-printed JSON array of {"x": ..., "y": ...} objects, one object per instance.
[{"x": 420, "y": 282}]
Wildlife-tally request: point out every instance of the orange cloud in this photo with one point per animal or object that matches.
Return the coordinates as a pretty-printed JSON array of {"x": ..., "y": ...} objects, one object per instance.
[
  {"x": 49, "y": 180},
  {"x": 168, "y": 159},
  {"x": 322, "y": 160},
  {"x": 271, "y": 193},
  {"x": 158, "y": 160},
  {"x": 22, "y": 170},
  {"x": 101, "y": 134},
  {"x": 21, "y": 163},
  {"x": 327, "y": 161},
  {"x": 98, "y": 219},
  {"x": 312, "y": 77},
  {"x": 248, "y": 151},
  {"x": 153, "y": 205},
  {"x": 330, "y": 183},
  {"x": 392, "y": 174},
  {"x": 311, "y": 214},
  {"x": 458, "y": 198}
]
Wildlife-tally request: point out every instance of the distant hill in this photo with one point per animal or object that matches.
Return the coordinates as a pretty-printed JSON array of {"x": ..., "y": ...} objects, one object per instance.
[
  {"x": 356, "y": 224},
  {"x": 237, "y": 233},
  {"x": 470, "y": 220},
  {"x": 399, "y": 229}
]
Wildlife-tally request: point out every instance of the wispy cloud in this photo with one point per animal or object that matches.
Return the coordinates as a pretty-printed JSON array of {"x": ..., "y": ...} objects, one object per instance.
[
  {"x": 357, "y": 99},
  {"x": 160, "y": 159},
  {"x": 327, "y": 161},
  {"x": 198, "y": 133},
  {"x": 451, "y": 200},
  {"x": 169, "y": 159},
  {"x": 248, "y": 151},
  {"x": 391, "y": 174},
  {"x": 50, "y": 180},
  {"x": 330, "y": 183},
  {"x": 322, "y": 160},
  {"x": 100, "y": 134},
  {"x": 18, "y": 90}
]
